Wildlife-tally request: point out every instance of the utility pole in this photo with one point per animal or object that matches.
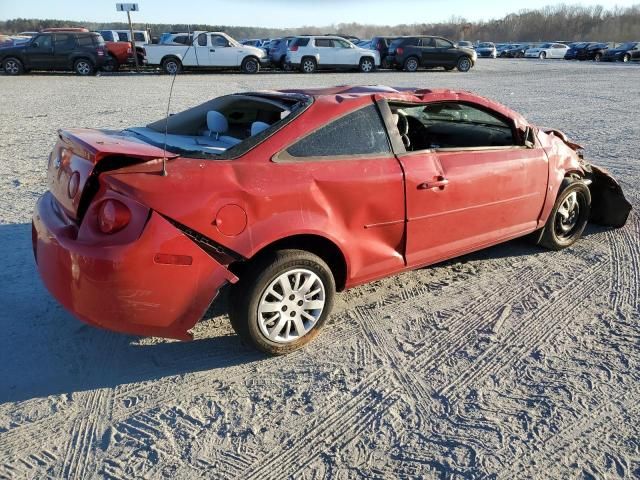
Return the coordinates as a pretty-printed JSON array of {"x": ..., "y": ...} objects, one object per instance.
[{"x": 130, "y": 7}]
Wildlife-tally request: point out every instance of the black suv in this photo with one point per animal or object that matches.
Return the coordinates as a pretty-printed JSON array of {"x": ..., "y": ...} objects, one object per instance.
[
  {"x": 82, "y": 52},
  {"x": 411, "y": 53}
]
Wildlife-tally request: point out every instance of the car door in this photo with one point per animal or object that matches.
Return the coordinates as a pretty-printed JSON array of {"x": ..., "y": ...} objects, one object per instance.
[
  {"x": 326, "y": 51},
  {"x": 198, "y": 54},
  {"x": 64, "y": 45},
  {"x": 559, "y": 50},
  {"x": 427, "y": 47},
  {"x": 222, "y": 53},
  {"x": 343, "y": 178},
  {"x": 343, "y": 53},
  {"x": 635, "y": 53},
  {"x": 444, "y": 52},
  {"x": 40, "y": 52},
  {"x": 463, "y": 194}
]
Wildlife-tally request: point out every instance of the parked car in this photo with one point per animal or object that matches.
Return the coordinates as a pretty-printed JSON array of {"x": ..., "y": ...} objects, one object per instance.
[
  {"x": 118, "y": 54},
  {"x": 517, "y": 51},
  {"x": 547, "y": 50},
  {"x": 256, "y": 42},
  {"x": 141, "y": 37},
  {"x": 175, "y": 38},
  {"x": 487, "y": 49},
  {"x": 594, "y": 52},
  {"x": 627, "y": 52},
  {"x": 574, "y": 48},
  {"x": 82, "y": 52},
  {"x": 378, "y": 181},
  {"x": 27, "y": 34},
  {"x": 465, "y": 44},
  {"x": 411, "y": 53},
  {"x": 209, "y": 50},
  {"x": 381, "y": 45},
  {"x": 278, "y": 51},
  {"x": 314, "y": 52}
]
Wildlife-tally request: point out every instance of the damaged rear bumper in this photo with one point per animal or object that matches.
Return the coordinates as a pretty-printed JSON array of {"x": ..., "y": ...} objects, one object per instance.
[{"x": 134, "y": 288}]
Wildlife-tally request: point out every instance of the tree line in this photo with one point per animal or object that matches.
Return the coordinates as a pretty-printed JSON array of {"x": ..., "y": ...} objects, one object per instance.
[{"x": 560, "y": 22}]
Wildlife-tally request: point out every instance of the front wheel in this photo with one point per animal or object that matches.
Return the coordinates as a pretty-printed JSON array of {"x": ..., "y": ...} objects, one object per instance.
[
  {"x": 282, "y": 301},
  {"x": 12, "y": 66},
  {"x": 367, "y": 65},
  {"x": 111, "y": 65},
  {"x": 464, "y": 64},
  {"x": 83, "y": 67},
  {"x": 626, "y": 58},
  {"x": 250, "y": 65},
  {"x": 597, "y": 57},
  {"x": 568, "y": 218},
  {"x": 542, "y": 56}
]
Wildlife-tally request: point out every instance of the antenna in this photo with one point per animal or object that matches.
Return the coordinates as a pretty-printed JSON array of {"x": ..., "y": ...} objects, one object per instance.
[{"x": 166, "y": 120}]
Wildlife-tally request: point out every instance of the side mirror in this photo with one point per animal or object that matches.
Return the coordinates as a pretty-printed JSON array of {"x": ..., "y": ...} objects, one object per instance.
[{"x": 35, "y": 45}]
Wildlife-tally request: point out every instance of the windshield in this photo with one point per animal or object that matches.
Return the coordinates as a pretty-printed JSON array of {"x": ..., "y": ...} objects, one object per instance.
[
  {"x": 486, "y": 45},
  {"x": 627, "y": 46},
  {"x": 545, "y": 45}
]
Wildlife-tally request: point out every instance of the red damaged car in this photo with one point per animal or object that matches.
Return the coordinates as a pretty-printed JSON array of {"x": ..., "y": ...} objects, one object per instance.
[{"x": 289, "y": 196}]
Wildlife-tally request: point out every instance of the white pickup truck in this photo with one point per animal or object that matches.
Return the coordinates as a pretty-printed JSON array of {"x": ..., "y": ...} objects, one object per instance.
[{"x": 209, "y": 50}]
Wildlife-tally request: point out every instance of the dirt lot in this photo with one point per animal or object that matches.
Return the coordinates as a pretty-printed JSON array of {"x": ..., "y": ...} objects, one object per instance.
[{"x": 514, "y": 362}]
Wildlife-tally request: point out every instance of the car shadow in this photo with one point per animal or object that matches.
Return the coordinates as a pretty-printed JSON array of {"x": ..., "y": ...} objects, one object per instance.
[{"x": 45, "y": 351}]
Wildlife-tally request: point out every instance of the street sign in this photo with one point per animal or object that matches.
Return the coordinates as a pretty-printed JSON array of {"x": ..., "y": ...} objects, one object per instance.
[{"x": 127, "y": 7}]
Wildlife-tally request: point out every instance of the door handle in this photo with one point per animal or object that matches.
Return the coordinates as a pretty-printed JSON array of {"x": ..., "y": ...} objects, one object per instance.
[
  {"x": 212, "y": 49},
  {"x": 440, "y": 182}
]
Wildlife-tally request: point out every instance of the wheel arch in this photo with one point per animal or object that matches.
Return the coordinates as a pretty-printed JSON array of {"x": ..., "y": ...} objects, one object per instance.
[
  {"x": 170, "y": 56},
  {"x": 315, "y": 243}
]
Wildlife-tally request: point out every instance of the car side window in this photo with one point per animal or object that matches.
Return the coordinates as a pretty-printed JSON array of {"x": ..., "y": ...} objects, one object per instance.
[
  {"x": 43, "y": 41},
  {"x": 324, "y": 42},
  {"x": 452, "y": 125},
  {"x": 85, "y": 41},
  {"x": 358, "y": 133},
  {"x": 107, "y": 35},
  {"x": 341, "y": 44},
  {"x": 442, "y": 43},
  {"x": 202, "y": 40},
  {"x": 218, "y": 41},
  {"x": 64, "y": 41},
  {"x": 428, "y": 42}
]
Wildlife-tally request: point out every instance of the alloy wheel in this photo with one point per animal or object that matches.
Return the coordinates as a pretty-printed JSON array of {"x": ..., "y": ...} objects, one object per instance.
[
  {"x": 291, "y": 305},
  {"x": 11, "y": 67},
  {"x": 567, "y": 216},
  {"x": 83, "y": 68},
  {"x": 366, "y": 65}
]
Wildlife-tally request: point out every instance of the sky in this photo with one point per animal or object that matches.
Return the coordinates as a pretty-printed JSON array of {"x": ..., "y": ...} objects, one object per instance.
[{"x": 279, "y": 13}]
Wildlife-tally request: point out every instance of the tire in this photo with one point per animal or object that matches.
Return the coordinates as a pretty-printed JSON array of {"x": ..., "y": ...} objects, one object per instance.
[
  {"x": 569, "y": 216},
  {"x": 411, "y": 64},
  {"x": 626, "y": 58},
  {"x": 111, "y": 65},
  {"x": 367, "y": 65},
  {"x": 308, "y": 65},
  {"x": 272, "y": 329},
  {"x": 83, "y": 67},
  {"x": 464, "y": 64},
  {"x": 171, "y": 66},
  {"x": 542, "y": 56},
  {"x": 12, "y": 66},
  {"x": 597, "y": 57},
  {"x": 250, "y": 65},
  {"x": 519, "y": 55}
]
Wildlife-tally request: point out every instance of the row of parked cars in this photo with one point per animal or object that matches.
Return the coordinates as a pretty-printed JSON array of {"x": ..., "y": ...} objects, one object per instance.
[
  {"x": 87, "y": 52},
  {"x": 597, "y": 51}
]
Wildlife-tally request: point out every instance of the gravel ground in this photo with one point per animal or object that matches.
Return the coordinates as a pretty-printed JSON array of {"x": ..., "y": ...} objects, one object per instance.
[{"x": 513, "y": 362}]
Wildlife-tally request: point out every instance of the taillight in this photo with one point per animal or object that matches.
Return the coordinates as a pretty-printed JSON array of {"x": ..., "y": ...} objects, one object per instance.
[
  {"x": 113, "y": 216},
  {"x": 399, "y": 51},
  {"x": 129, "y": 50},
  {"x": 293, "y": 48},
  {"x": 100, "y": 52}
]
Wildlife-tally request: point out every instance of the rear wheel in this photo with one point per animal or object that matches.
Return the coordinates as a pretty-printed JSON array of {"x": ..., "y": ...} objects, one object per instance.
[
  {"x": 250, "y": 65},
  {"x": 597, "y": 57},
  {"x": 464, "y": 64},
  {"x": 83, "y": 67},
  {"x": 626, "y": 58},
  {"x": 171, "y": 66},
  {"x": 568, "y": 218},
  {"x": 12, "y": 66},
  {"x": 411, "y": 64},
  {"x": 282, "y": 301},
  {"x": 367, "y": 65},
  {"x": 308, "y": 65}
]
